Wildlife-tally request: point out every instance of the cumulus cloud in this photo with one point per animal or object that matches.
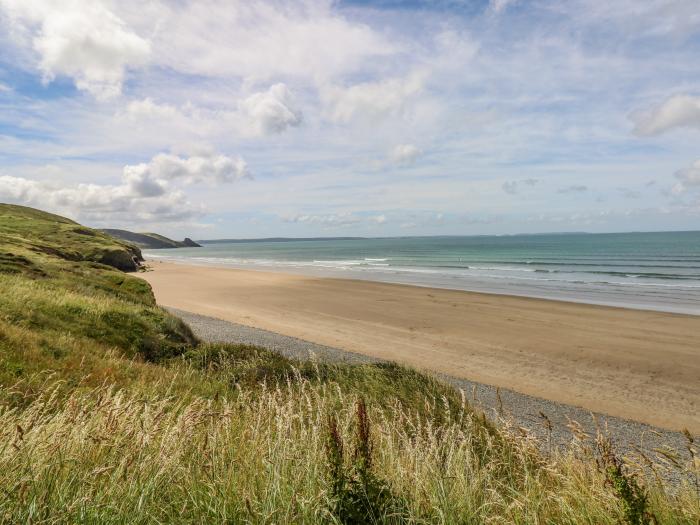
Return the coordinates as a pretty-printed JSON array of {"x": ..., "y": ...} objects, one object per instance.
[
  {"x": 677, "y": 112},
  {"x": 99, "y": 203},
  {"x": 16, "y": 189},
  {"x": 147, "y": 192},
  {"x": 404, "y": 154},
  {"x": 371, "y": 100},
  {"x": 80, "y": 39},
  {"x": 203, "y": 167},
  {"x": 688, "y": 178},
  {"x": 271, "y": 111}
]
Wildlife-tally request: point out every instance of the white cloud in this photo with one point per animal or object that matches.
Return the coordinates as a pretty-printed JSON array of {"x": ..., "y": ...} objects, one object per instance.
[
  {"x": 148, "y": 191},
  {"x": 148, "y": 109},
  {"x": 676, "y": 112},
  {"x": 688, "y": 178},
  {"x": 16, "y": 189},
  {"x": 81, "y": 39},
  {"x": 371, "y": 101},
  {"x": 98, "y": 203},
  {"x": 405, "y": 154},
  {"x": 203, "y": 167},
  {"x": 259, "y": 114},
  {"x": 263, "y": 39},
  {"x": 139, "y": 182},
  {"x": 271, "y": 111}
]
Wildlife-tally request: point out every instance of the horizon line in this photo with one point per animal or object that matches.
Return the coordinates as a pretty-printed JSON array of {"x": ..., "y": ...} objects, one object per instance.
[{"x": 360, "y": 237}]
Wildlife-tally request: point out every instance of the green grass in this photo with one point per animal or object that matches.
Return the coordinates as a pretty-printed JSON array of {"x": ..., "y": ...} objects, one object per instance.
[
  {"x": 26, "y": 233},
  {"x": 112, "y": 412}
]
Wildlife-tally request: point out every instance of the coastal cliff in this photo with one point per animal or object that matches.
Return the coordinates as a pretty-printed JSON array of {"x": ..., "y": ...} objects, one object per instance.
[{"x": 149, "y": 240}]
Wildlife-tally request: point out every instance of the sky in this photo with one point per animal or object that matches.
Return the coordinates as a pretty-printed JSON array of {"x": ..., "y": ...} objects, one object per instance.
[{"x": 248, "y": 118}]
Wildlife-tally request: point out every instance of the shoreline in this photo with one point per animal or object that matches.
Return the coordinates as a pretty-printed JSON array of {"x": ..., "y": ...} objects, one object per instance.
[
  {"x": 585, "y": 297},
  {"x": 635, "y": 364}
]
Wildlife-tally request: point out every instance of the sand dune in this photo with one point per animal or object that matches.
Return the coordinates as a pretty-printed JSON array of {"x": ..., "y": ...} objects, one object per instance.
[{"x": 636, "y": 364}]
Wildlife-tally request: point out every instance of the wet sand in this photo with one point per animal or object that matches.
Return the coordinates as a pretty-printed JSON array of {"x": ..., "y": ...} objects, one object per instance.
[{"x": 633, "y": 364}]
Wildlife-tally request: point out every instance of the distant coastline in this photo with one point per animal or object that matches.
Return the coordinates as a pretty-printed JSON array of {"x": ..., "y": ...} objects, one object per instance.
[
  {"x": 279, "y": 239},
  {"x": 456, "y": 236}
]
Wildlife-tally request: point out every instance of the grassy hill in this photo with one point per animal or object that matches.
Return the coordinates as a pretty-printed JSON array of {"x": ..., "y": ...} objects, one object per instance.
[
  {"x": 43, "y": 237},
  {"x": 149, "y": 240},
  {"x": 112, "y": 412}
]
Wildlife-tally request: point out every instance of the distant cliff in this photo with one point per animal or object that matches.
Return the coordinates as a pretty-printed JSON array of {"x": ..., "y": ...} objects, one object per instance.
[{"x": 150, "y": 240}]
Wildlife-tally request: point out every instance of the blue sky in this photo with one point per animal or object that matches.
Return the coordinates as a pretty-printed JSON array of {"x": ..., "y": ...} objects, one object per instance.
[{"x": 270, "y": 118}]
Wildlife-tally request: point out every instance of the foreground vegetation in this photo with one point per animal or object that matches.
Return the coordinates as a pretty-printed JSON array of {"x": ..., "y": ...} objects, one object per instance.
[{"x": 112, "y": 412}]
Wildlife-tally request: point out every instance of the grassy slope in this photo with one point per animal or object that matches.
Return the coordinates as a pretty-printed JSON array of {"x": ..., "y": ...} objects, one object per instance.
[
  {"x": 41, "y": 237},
  {"x": 111, "y": 411}
]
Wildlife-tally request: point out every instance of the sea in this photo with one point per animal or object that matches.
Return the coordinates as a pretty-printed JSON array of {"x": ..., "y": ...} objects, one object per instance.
[{"x": 653, "y": 271}]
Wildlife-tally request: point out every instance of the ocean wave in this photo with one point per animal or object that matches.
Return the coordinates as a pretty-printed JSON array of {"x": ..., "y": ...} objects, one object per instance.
[
  {"x": 349, "y": 262},
  {"x": 376, "y": 264},
  {"x": 581, "y": 281},
  {"x": 571, "y": 262}
]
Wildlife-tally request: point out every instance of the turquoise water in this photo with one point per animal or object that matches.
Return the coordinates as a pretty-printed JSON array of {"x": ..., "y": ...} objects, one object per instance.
[{"x": 658, "y": 271}]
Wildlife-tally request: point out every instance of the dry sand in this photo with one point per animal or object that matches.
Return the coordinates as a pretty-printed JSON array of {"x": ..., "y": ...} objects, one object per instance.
[{"x": 634, "y": 364}]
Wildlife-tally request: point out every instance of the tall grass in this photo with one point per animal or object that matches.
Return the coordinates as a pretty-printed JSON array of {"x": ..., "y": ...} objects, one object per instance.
[
  {"x": 112, "y": 412},
  {"x": 262, "y": 455}
]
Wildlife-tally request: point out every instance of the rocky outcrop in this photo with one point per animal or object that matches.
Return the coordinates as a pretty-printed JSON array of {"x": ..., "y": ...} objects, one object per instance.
[
  {"x": 189, "y": 243},
  {"x": 126, "y": 260}
]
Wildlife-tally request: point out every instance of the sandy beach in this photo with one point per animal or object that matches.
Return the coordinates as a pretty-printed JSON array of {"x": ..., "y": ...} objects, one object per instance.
[{"x": 634, "y": 364}]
